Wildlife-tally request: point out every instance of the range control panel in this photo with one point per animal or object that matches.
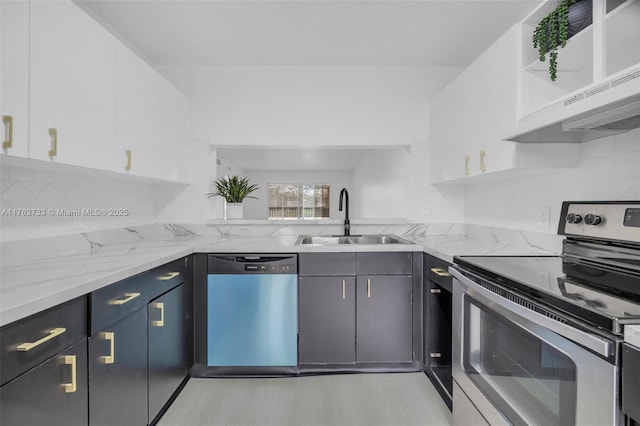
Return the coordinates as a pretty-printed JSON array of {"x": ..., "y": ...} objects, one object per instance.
[{"x": 618, "y": 221}]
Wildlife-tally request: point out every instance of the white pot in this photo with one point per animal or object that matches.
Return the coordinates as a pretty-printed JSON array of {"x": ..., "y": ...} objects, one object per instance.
[{"x": 232, "y": 210}]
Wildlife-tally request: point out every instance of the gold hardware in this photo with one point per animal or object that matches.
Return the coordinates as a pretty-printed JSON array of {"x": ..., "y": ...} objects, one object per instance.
[
  {"x": 168, "y": 276},
  {"x": 70, "y": 360},
  {"x": 160, "y": 323},
  {"x": 54, "y": 332},
  {"x": 127, "y": 152},
  {"x": 129, "y": 297},
  {"x": 368, "y": 287},
  {"x": 483, "y": 167},
  {"x": 344, "y": 289},
  {"x": 111, "y": 337},
  {"x": 8, "y": 121},
  {"x": 54, "y": 142},
  {"x": 467, "y": 158},
  {"x": 440, "y": 272}
]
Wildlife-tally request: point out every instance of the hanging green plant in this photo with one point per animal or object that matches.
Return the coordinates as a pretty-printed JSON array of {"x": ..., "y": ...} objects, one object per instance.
[{"x": 553, "y": 32}]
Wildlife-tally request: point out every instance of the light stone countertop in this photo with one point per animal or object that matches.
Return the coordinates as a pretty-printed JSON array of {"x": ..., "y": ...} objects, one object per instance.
[{"x": 39, "y": 274}]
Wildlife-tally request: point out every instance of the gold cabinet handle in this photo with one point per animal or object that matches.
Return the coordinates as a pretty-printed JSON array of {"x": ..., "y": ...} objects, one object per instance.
[
  {"x": 467, "y": 159},
  {"x": 168, "y": 276},
  {"x": 160, "y": 306},
  {"x": 368, "y": 288},
  {"x": 127, "y": 152},
  {"x": 440, "y": 272},
  {"x": 70, "y": 360},
  {"x": 54, "y": 332},
  {"x": 8, "y": 122},
  {"x": 344, "y": 289},
  {"x": 483, "y": 166},
  {"x": 111, "y": 337},
  {"x": 128, "y": 298},
  {"x": 54, "y": 142}
]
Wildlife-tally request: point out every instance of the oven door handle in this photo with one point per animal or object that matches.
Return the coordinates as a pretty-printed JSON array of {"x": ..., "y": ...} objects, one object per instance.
[{"x": 505, "y": 307}]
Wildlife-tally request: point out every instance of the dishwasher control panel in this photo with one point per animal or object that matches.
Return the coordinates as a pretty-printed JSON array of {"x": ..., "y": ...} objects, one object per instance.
[
  {"x": 252, "y": 264},
  {"x": 269, "y": 268}
]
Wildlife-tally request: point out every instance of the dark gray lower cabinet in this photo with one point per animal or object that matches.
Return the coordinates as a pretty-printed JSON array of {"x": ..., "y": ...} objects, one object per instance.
[
  {"x": 118, "y": 373},
  {"x": 327, "y": 320},
  {"x": 169, "y": 353},
  {"x": 45, "y": 395},
  {"x": 384, "y": 319}
]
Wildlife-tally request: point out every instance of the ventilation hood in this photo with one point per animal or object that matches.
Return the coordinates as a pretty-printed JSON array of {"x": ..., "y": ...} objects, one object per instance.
[{"x": 600, "y": 110}]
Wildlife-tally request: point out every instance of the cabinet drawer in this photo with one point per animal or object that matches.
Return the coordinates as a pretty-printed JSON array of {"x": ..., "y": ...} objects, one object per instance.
[
  {"x": 327, "y": 264},
  {"x": 114, "y": 302},
  {"x": 438, "y": 271},
  {"x": 388, "y": 263},
  {"x": 53, "y": 393},
  {"x": 32, "y": 340}
]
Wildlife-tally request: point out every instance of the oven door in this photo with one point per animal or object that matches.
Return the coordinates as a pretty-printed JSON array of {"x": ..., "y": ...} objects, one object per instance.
[{"x": 518, "y": 366}]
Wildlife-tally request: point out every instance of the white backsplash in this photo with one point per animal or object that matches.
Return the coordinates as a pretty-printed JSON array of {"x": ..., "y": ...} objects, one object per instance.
[
  {"x": 608, "y": 169},
  {"x": 24, "y": 188}
]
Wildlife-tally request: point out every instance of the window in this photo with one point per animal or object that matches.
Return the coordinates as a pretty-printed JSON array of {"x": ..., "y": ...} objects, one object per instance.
[{"x": 298, "y": 201}]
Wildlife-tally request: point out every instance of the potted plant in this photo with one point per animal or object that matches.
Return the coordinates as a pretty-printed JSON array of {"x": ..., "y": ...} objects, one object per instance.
[
  {"x": 566, "y": 20},
  {"x": 234, "y": 189}
]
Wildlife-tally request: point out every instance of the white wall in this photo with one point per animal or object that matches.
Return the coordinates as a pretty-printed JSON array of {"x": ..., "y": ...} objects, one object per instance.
[
  {"x": 337, "y": 179},
  {"x": 311, "y": 105},
  {"x": 394, "y": 183},
  {"x": 608, "y": 169}
]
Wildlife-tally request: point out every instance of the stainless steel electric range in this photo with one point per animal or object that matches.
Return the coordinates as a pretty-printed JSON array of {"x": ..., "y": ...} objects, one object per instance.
[{"x": 539, "y": 340}]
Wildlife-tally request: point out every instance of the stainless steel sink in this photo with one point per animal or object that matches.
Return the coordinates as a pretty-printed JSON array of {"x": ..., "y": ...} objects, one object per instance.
[{"x": 353, "y": 239}]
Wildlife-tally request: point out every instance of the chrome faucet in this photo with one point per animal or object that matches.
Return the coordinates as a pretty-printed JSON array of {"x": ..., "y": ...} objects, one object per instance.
[{"x": 347, "y": 225}]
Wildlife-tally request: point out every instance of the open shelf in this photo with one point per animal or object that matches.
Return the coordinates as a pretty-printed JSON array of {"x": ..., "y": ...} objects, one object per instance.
[{"x": 623, "y": 37}]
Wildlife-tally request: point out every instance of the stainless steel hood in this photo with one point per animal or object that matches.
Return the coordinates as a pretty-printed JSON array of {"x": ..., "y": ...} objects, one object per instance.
[{"x": 600, "y": 110}]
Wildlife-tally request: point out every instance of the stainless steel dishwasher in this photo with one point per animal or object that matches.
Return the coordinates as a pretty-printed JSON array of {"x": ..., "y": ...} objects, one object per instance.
[{"x": 252, "y": 310}]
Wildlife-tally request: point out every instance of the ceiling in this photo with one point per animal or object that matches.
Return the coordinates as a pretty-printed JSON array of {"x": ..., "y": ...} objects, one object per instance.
[
  {"x": 186, "y": 34},
  {"x": 426, "y": 33}
]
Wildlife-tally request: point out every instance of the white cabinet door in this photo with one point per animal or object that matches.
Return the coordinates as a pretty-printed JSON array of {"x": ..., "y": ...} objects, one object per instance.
[
  {"x": 497, "y": 70},
  {"x": 453, "y": 122},
  {"x": 14, "y": 89},
  {"x": 73, "y": 80},
  {"x": 152, "y": 119}
]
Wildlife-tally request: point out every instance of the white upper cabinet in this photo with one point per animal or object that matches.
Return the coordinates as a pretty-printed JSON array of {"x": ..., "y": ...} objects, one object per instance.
[
  {"x": 72, "y": 87},
  {"x": 153, "y": 120},
  {"x": 470, "y": 117},
  {"x": 14, "y": 89}
]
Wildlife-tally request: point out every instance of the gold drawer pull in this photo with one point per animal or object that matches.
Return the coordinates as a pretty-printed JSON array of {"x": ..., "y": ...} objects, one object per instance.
[
  {"x": 25, "y": 347},
  {"x": 70, "y": 360},
  {"x": 129, "y": 297},
  {"x": 440, "y": 272},
  {"x": 160, "y": 306},
  {"x": 483, "y": 166},
  {"x": 467, "y": 158},
  {"x": 344, "y": 289},
  {"x": 111, "y": 337},
  {"x": 127, "y": 152},
  {"x": 168, "y": 276},
  {"x": 8, "y": 122},
  {"x": 54, "y": 142},
  {"x": 368, "y": 288}
]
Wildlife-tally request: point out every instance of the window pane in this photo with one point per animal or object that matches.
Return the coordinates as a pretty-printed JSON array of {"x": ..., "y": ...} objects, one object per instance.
[{"x": 296, "y": 201}]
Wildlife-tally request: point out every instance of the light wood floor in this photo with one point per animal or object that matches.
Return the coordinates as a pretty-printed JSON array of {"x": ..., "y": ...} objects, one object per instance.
[{"x": 392, "y": 399}]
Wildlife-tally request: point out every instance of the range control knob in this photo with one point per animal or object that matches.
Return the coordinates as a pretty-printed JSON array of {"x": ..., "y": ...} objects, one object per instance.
[
  {"x": 592, "y": 219},
  {"x": 574, "y": 218}
]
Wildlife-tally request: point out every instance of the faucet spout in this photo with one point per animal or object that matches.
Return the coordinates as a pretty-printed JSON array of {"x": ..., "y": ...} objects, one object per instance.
[{"x": 347, "y": 226}]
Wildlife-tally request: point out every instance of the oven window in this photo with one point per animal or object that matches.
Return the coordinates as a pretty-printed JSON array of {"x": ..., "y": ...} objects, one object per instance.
[{"x": 529, "y": 381}]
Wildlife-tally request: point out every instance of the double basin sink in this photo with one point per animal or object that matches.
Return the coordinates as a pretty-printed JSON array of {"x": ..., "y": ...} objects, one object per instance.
[{"x": 352, "y": 239}]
